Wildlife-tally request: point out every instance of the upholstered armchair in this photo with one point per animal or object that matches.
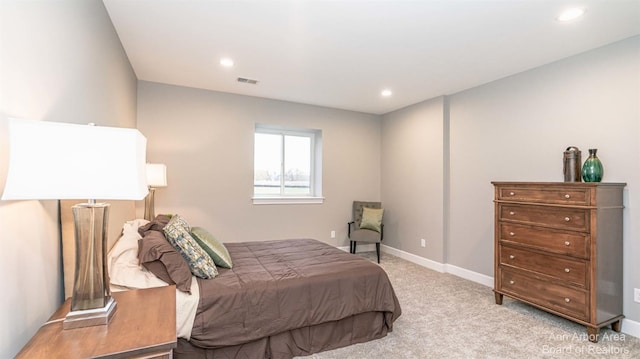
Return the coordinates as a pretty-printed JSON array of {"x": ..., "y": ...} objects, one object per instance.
[{"x": 366, "y": 225}]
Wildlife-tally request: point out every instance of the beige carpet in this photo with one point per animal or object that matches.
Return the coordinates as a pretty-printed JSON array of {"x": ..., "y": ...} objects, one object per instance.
[{"x": 444, "y": 316}]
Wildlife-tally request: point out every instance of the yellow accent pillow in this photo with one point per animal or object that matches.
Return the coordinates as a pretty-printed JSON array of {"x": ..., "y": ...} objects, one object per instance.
[{"x": 371, "y": 219}]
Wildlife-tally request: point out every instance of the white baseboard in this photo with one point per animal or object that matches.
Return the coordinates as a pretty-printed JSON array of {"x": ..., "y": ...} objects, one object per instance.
[
  {"x": 371, "y": 247},
  {"x": 469, "y": 275},
  {"x": 631, "y": 327},
  {"x": 440, "y": 267},
  {"x": 428, "y": 263}
]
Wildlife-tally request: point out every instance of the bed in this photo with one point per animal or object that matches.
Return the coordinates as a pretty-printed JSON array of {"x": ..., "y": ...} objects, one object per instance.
[{"x": 280, "y": 299}]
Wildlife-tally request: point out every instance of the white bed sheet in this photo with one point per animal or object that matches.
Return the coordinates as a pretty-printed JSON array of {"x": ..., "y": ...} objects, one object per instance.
[{"x": 126, "y": 273}]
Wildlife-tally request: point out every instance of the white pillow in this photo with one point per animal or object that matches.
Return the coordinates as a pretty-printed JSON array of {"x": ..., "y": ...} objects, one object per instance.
[
  {"x": 124, "y": 268},
  {"x": 125, "y": 273}
]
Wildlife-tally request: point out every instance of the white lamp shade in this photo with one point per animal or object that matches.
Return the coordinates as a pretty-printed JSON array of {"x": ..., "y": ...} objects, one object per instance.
[
  {"x": 156, "y": 175},
  {"x": 52, "y": 160}
]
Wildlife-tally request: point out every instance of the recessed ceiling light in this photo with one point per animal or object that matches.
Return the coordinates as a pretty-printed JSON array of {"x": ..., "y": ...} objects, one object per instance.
[
  {"x": 386, "y": 93},
  {"x": 226, "y": 62},
  {"x": 571, "y": 14}
]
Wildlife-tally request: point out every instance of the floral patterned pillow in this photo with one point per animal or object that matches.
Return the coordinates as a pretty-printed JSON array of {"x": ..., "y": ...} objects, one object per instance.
[{"x": 200, "y": 263}]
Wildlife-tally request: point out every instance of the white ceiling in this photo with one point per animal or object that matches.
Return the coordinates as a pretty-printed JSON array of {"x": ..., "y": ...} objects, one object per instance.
[{"x": 341, "y": 54}]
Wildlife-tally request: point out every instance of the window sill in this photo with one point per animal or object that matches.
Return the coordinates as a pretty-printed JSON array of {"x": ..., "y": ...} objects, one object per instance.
[{"x": 288, "y": 200}]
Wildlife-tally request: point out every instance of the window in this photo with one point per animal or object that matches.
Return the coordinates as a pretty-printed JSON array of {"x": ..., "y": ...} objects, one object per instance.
[{"x": 287, "y": 165}]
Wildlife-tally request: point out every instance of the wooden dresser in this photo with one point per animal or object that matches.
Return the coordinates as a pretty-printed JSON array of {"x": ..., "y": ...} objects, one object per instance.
[{"x": 558, "y": 247}]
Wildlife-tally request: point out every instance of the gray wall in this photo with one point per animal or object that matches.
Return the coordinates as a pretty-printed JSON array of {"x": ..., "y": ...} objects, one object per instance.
[
  {"x": 515, "y": 129},
  {"x": 413, "y": 178},
  {"x": 518, "y": 127},
  {"x": 59, "y": 61},
  {"x": 206, "y": 140}
]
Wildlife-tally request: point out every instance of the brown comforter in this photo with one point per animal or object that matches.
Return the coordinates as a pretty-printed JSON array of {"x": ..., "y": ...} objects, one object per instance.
[{"x": 279, "y": 286}]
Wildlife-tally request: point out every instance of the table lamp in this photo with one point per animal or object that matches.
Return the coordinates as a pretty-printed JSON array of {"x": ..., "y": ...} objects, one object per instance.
[
  {"x": 156, "y": 177},
  {"x": 51, "y": 160}
]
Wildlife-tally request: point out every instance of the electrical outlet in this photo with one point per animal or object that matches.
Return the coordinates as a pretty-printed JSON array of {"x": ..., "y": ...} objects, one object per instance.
[
  {"x": 423, "y": 243},
  {"x": 636, "y": 295},
  {"x": 333, "y": 234}
]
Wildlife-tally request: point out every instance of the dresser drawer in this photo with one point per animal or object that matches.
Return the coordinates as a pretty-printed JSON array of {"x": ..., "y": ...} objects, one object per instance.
[
  {"x": 575, "y": 244},
  {"x": 556, "y": 217},
  {"x": 572, "y": 271},
  {"x": 551, "y": 195},
  {"x": 570, "y": 301}
]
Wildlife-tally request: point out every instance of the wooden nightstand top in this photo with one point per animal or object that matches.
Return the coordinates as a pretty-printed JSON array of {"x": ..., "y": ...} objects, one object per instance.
[{"x": 143, "y": 325}]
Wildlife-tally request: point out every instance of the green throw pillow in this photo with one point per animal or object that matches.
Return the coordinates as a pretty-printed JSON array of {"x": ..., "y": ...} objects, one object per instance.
[
  {"x": 371, "y": 219},
  {"x": 200, "y": 263},
  {"x": 216, "y": 249}
]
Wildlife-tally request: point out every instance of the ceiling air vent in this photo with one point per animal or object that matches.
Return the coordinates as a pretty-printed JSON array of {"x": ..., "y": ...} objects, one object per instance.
[{"x": 247, "y": 81}]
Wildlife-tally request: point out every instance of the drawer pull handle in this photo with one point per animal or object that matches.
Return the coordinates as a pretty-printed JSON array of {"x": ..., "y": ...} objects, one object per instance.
[
  {"x": 512, "y": 194},
  {"x": 567, "y": 270},
  {"x": 567, "y": 243},
  {"x": 511, "y": 282},
  {"x": 512, "y": 234},
  {"x": 567, "y": 300},
  {"x": 567, "y": 196},
  {"x": 567, "y": 219},
  {"x": 512, "y": 257},
  {"x": 512, "y": 213}
]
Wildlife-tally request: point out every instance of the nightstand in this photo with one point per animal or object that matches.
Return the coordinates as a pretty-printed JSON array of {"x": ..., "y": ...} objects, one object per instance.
[{"x": 143, "y": 326}]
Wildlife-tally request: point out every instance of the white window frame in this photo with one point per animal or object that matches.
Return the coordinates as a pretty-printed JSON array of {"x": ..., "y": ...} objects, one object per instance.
[{"x": 315, "y": 177}]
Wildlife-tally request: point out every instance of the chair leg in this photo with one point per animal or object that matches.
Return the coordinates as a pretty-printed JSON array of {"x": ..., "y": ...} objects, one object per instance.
[
  {"x": 350, "y": 246},
  {"x": 378, "y": 251},
  {"x": 354, "y": 247}
]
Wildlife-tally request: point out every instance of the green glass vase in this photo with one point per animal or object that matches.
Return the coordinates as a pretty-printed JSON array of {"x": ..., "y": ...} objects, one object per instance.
[{"x": 592, "y": 169}]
